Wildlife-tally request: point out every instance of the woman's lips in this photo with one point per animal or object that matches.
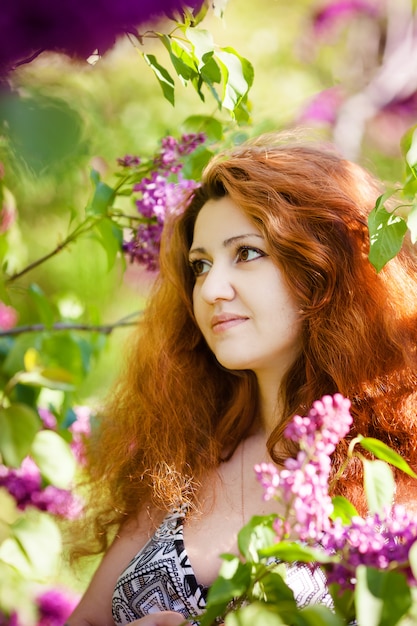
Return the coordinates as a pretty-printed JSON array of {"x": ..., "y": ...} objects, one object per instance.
[{"x": 224, "y": 321}]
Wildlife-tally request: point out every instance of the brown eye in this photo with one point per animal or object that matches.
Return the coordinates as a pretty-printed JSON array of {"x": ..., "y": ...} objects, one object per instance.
[
  {"x": 199, "y": 267},
  {"x": 246, "y": 254}
]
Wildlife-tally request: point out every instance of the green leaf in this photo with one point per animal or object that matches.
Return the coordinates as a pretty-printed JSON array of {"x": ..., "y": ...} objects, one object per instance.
[
  {"x": 343, "y": 509},
  {"x": 192, "y": 18},
  {"x": 379, "y": 485},
  {"x": 412, "y": 223},
  {"x": 110, "y": 235},
  {"x": 207, "y": 124},
  {"x": 290, "y": 551},
  {"x": 343, "y": 602},
  {"x": 386, "y": 232},
  {"x": 102, "y": 198},
  {"x": 15, "y": 356},
  {"x": 54, "y": 458},
  {"x": 319, "y": 615},
  {"x": 411, "y": 153},
  {"x": 255, "y": 536},
  {"x": 43, "y": 305},
  {"x": 196, "y": 162},
  {"x": 238, "y": 77},
  {"x": 235, "y": 85},
  {"x": 385, "y": 453},
  {"x": 183, "y": 62},
  {"x": 202, "y": 43},
  {"x": 210, "y": 71},
  {"x": 163, "y": 77},
  {"x": 34, "y": 547},
  {"x": 18, "y": 427},
  {"x": 382, "y": 598},
  {"x": 65, "y": 348},
  {"x": 273, "y": 589},
  {"x": 46, "y": 133},
  {"x": 407, "y": 140},
  {"x": 256, "y": 613},
  {"x": 233, "y": 581},
  {"x": 51, "y": 378}
]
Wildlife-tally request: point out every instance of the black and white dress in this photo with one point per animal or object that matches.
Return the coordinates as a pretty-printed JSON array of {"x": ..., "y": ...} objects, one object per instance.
[{"x": 160, "y": 578}]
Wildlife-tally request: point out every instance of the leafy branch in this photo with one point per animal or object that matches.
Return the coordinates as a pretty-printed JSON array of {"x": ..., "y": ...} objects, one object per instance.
[
  {"x": 388, "y": 226},
  {"x": 196, "y": 59}
]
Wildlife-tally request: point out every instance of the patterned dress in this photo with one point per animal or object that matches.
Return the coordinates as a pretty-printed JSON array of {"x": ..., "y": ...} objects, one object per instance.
[{"x": 160, "y": 578}]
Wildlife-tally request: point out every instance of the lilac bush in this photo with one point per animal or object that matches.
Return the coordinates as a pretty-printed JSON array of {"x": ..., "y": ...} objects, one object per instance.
[{"x": 24, "y": 484}]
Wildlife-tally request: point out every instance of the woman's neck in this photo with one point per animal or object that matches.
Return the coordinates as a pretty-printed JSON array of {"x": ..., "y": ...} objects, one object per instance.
[{"x": 269, "y": 401}]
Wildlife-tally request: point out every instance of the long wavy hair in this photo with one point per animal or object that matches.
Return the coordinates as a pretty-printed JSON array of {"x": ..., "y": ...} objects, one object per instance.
[{"x": 175, "y": 412}]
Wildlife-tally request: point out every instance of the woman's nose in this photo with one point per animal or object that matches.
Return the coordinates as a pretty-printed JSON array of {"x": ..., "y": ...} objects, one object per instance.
[{"x": 217, "y": 285}]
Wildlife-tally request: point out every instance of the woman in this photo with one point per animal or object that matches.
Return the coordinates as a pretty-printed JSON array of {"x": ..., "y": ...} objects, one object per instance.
[{"x": 266, "y": 301}]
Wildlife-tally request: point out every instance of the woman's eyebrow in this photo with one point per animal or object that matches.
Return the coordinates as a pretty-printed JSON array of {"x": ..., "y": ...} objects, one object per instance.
[{"x": 227, "y": 242}]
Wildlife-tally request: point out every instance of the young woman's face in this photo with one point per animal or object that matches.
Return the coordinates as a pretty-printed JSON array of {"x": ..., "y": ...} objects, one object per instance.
[{"x": 241, "y": 303}]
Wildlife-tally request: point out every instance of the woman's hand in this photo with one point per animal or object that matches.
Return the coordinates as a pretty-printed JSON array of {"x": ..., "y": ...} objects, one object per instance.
[{"x": 165, "y": 618}]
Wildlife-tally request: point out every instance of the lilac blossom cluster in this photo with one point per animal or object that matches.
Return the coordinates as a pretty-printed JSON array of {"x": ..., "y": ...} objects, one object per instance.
[
  {"x": 303, "y": 484},
  {"x": 25, "y": 485},
  {"x": 54, "y": 607},
  {"x": 161, "y": 193},
  {"x": 375, "y": 541}
]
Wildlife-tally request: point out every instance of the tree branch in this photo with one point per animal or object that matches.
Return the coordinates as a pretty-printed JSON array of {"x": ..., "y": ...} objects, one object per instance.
[{"x": 105, "y": 329}]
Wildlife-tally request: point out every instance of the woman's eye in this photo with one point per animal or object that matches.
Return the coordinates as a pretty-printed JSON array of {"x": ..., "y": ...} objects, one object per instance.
[
  {"x": 199, "y": 267},
  {"x": 248, "y": 254}
]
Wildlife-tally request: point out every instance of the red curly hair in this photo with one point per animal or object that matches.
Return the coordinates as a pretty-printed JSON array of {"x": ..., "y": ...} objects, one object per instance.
[{"x": 175, "y": 412}]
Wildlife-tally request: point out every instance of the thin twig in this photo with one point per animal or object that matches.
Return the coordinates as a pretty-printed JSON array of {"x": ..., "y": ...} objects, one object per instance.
[
  {"x": 105, "y": 329},
  {"x": 80, "y": 230}
]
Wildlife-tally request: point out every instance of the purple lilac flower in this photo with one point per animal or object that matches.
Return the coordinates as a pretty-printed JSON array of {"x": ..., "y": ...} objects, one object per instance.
[
  {"x": 74, "y": 27},
  {"x": 337, "y": 11},
  {"x": 375, "y": 541},
  {"x": 54, "y": 607},
  {"x": 48, "y": 418},
  {"x": 159, "y": 196},
  {"x": 304, "y": 482},
  {"x": 172, "y": 150},
  {"x": 25, "y": 485},
  {"x": 128, "y": 160},
  {"x": 9, "y": 620},
  {"x": 159, "y": 199},
  {"x": 323, "y": 107},
  {"x": 8, "y": 316},
  {"x": 80, "y": 429}
]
